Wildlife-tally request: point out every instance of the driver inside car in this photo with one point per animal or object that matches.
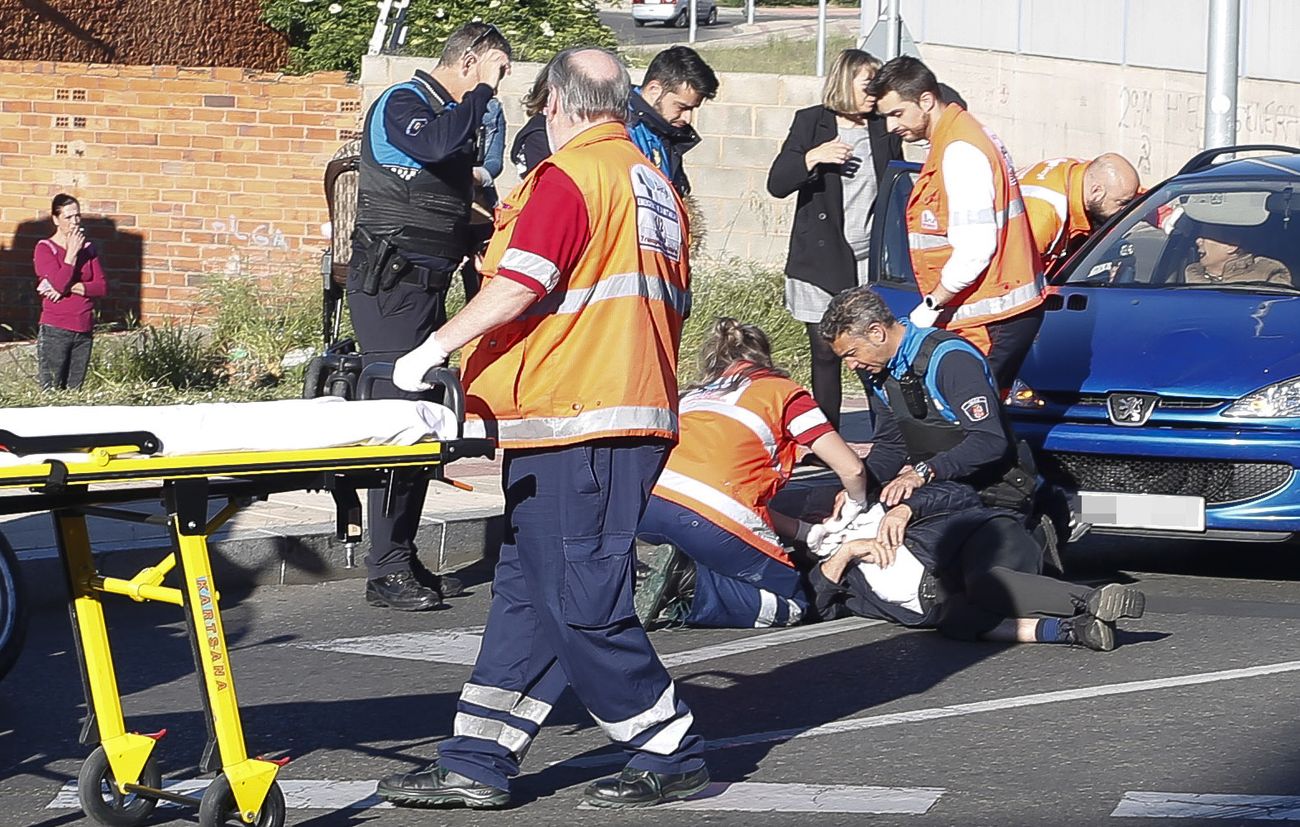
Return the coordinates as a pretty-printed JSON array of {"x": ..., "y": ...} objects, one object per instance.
[{"x": 1223, "y": 259}]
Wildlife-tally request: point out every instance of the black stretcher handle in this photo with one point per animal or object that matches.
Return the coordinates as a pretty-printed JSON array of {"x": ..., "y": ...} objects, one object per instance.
[
  {"x": 143, "y": 441},
  {"x": 443, "y": 377}
]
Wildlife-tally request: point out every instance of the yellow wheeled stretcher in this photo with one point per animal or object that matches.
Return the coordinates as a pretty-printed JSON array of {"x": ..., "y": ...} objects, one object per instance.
[{"x": 72, "y": 475}]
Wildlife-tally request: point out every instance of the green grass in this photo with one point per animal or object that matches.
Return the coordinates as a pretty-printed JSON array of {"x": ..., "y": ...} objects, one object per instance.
[{"x": 778, "y": 56}]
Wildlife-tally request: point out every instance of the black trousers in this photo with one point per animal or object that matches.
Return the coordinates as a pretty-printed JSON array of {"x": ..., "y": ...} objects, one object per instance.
[
  {"x": 61, "y": 357},
  {"x": 996, "y": 576},
  {"x": 1010, "y": 340},
  {"x": 388, "y": 325}
]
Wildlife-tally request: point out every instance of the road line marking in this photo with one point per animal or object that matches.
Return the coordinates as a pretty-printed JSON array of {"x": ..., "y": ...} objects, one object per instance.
[
  {"x": 460, "y": 646},
  {"x": 1206, "y": 805},
  {"x": 751, "y": 797},
  {"x": 298, "y": 794},
  {"x": 958, "y": 710}
]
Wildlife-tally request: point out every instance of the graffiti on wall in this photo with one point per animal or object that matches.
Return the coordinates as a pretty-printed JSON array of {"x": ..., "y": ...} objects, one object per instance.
[{"x": 263, "y": 235}]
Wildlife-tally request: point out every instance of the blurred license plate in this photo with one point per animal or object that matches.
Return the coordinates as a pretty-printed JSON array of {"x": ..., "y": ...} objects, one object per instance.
[{"x": 1158, "y": 511}]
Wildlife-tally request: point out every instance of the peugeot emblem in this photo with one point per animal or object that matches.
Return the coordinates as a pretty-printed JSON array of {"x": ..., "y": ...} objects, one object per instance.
[{"x": 1131, "y": 409}]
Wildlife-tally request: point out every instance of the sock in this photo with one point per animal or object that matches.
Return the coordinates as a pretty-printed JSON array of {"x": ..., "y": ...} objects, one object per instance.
[{"x": 1048, "y": 631}]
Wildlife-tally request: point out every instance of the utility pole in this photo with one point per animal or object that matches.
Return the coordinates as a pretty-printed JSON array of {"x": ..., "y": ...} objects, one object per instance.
[
  {"x": 692, "y": 8},
  {"x": 1221, "y": 73},
  {"x": 893, "y": 30},
  {"x": 750, "y": 13},
  {"x": 821, "y": 38}
]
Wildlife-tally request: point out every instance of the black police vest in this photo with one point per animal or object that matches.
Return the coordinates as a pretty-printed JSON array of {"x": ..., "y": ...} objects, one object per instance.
[
  {"x": 927, "y": 433},
  {"x": 424, "y": 206}
]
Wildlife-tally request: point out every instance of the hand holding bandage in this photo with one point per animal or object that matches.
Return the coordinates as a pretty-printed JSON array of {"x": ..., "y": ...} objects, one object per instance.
[
  {"x": 924, "y": 315},
  {"x": 409, "y": 370}
]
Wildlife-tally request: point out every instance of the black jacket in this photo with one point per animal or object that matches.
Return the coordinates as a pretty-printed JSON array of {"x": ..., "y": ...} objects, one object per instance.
[
  {"x": 663, "y": 143},
  {"x": 819, "y": 254},
  {"x": 531, "y": 145}
]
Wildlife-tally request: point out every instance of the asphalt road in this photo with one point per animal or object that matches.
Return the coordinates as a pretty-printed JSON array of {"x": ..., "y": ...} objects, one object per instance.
[
  {"x": 653, "y": 34},
  {"x": 836, "y": 721}
]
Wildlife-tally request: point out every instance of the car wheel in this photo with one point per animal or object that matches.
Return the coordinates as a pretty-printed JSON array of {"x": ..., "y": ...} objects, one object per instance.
[
  {"x": 639, "y": 23},
  {"x": 680, "y": 21},
  {"x": 713, "y": 17}
]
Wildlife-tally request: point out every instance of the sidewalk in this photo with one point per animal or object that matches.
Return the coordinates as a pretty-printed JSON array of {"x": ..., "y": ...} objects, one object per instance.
[{"x": 290, "y": 538}]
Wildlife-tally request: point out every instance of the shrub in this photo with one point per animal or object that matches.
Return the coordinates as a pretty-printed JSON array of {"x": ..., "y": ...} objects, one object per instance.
[
  {"x": 334, "y": 34},
  {"x": 254, "y": 326}
]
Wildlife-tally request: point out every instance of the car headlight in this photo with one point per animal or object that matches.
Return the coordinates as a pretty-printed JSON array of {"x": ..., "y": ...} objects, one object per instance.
[
  {"x": 1023, "y": 396},
  {"x": 1280, "y": 400}
]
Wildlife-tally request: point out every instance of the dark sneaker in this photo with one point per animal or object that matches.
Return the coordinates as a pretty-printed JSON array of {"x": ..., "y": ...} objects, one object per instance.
[
  {"x": 444, "y": 584},
  {"x": 642, "y": 788},
  {"x": 656, "y": 586},
  {"x": 1113, "y": 601},
  {"x": 1086, "y": 630},
  {"x": 677, "y": 608},
  {"x": 435, "y": 786},
  {"x": 403, "y": 592}
]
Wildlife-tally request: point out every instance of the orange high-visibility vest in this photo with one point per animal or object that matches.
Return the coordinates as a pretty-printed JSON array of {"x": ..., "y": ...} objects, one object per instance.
[
  {"x": 1053, "y": 193},
  {"x": 734, "y": 455},
  {"x": 1013, "y": 282},
  {"x": 598, "y": 356}
]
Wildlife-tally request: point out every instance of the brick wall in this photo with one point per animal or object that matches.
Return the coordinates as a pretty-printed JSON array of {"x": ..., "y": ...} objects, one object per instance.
[
  {"x": 142, "y": 32},
  {"x": 181, "y": 173}
]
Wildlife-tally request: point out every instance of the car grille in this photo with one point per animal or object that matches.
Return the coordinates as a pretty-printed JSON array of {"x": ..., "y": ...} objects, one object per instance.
[
  {"x": 1218, "y": 481},
  {"x": 1180, "y": 403}
]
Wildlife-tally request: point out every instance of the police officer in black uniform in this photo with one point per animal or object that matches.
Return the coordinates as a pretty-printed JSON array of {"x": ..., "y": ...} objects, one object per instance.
[
  {"x": 415, "y": 188},
  {"x": 935, "y": 408}
]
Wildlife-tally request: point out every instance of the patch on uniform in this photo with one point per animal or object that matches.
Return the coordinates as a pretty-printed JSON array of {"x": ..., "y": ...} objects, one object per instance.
[
  {"x": 416, "y": 124},
  {"x": 928, "y": 220},
  {"x": 658, "y": 222},
  {"x": 976, "y": 408}
]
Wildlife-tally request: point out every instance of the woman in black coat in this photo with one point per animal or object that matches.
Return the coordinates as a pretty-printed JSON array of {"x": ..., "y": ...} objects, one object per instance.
[{"x": 834, "y": 157}]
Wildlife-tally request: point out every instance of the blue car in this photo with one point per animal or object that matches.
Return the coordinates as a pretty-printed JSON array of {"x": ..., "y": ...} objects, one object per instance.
[{"x": 1163, "y": 390}]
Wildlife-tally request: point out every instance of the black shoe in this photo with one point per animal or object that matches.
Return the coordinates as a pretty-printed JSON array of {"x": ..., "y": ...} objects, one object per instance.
[
  {"x": 435, "y": 786},
  {"x": 444, "y": 584},
  {"x": 642, "y": 788},
  {"x": 1113, "y": 601},
  {"x": 1086, "y": 630},
  {"x": 403, "y": 592}
]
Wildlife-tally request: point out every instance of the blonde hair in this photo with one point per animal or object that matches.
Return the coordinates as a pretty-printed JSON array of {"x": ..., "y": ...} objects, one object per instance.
[
  {"x": 837, "y": 94},
  {"x": 731, "y": 342}
]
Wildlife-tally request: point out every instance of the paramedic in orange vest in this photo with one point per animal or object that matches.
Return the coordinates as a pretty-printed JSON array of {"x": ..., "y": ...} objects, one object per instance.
[
  {"x": 721, "y": 562},
  {"x": 570, "y": 364},
  {"x": 1068, "y": 198},
  {"x": 972, "y": 250}
]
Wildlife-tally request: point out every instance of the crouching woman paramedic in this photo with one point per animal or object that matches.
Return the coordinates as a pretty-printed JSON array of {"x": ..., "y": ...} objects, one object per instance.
[
  {"x": 720, "y": 562},
  {"x": 943, "y": 560}
]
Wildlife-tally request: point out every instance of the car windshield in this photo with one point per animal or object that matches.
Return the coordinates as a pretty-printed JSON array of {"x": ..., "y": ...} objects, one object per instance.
[{"x": 1238, "y": 236}]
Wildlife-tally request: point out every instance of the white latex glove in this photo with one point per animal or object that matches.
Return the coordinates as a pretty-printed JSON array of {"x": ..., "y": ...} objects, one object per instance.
[
  {"x": 923, "y": 316},
  {"x": 848, "y": 512},
  {"x": 811, "y": 534},
  {"x": 409, "y": 370}
]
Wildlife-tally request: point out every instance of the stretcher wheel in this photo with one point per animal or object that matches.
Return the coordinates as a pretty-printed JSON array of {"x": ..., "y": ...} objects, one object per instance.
[
  {"x": 101, "y": 799},
  {"x": 217, "y": 808},
  {"x": 13, "y": 608}
]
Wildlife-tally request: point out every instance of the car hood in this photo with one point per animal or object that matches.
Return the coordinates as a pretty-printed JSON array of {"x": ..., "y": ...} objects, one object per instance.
[{"x": 1176, "y": 341}]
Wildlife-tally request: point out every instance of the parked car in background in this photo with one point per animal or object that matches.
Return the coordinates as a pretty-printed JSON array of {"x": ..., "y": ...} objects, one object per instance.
[
  {"x": 673, "y": 12},
  {"x": 1163, "y": 391}
]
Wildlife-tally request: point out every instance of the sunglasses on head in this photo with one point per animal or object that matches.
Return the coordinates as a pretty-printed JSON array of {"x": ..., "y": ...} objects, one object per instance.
[{"x": 482, "y": 36}]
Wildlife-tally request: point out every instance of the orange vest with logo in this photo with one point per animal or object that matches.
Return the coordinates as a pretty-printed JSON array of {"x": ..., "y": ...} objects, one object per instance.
[
  {"x": 734, "y": 455},
  {"x": 597, "y": 357},
  {"x": 1053, "y": 193},
  {"x": 1013, "y": 282}
]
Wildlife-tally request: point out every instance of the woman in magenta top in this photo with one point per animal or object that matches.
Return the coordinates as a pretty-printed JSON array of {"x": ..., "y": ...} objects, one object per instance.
[{"x": 68, "y": 279}]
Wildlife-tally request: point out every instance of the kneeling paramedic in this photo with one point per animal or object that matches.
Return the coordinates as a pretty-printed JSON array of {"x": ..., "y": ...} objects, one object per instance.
[
  {"x": 412, "y": 230},
  {"x": 573, "y": 370}
]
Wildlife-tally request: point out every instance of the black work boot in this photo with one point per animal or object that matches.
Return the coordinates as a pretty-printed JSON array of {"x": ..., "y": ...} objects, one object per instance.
[
  {"x": 435, "y": 786},
  {"x": 642, "y": 788},
  {"x": 1113, "y": 601},
  {"x": 403, "y": 592},
  {"x": 1086, "y": 630},
  {"x": 444, "y": 584},
  {"x": 655, "y": 587}
]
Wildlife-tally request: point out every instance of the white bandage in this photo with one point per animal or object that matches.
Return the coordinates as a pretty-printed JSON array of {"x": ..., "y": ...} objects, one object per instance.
[
  {"x": 848, "y": 512},
  {"x": 810, "y": 534},
  {"x": 409, "y": 370},
  {"x": 923, "y": 316}
]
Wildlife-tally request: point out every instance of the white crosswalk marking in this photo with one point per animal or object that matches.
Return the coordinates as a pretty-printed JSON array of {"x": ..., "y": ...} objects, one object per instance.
[
  {"x": 460, "y": 646},
  {"x": 1208, "y": 805}
]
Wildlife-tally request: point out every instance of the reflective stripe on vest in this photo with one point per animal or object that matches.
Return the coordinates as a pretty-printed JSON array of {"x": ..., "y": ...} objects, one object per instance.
[
  {"x": 1001, "y": 305},
  {"x": 730, "y": 508},
  {"x": 624, "y": 285},
  {"x": 748, "y": 418},
  {"x": 586, "y": 425}
]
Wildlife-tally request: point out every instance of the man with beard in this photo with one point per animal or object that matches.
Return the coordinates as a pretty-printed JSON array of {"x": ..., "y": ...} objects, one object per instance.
[
  {"x": 662, "y": 107},
  {"x": 1067, "y": 199}
]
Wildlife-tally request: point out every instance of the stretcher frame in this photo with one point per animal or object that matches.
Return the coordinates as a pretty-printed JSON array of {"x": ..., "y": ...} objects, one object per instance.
[{"x": 186, "y": 485}]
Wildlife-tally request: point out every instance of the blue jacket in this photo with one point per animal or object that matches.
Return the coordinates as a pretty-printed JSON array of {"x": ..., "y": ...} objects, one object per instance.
[{"x": 661, "y": 142}]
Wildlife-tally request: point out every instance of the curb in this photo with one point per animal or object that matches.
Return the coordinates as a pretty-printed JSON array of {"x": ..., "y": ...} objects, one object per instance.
[{"x": 250, "y": 558}]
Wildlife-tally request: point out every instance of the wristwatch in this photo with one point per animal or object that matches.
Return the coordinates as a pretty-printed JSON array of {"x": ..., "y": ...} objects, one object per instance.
[
  {"x": 924, "y": 471},
  {"x": 930, "y": 303}
]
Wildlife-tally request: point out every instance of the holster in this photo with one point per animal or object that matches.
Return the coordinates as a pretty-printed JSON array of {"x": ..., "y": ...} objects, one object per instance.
[{"x": 1015, "y": 491}]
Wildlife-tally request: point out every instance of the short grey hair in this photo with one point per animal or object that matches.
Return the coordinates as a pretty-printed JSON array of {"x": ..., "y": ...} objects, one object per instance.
[
  {"x": 853, "y": 311},
  {"x": 584, "y": 97}
]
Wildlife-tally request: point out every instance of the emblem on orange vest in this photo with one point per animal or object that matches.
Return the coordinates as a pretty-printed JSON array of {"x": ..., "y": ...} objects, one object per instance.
[{"x": 929, "y": 221}]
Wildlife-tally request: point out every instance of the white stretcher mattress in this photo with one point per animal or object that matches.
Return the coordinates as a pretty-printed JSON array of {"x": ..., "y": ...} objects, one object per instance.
[{"x": 287, "y": 425}]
